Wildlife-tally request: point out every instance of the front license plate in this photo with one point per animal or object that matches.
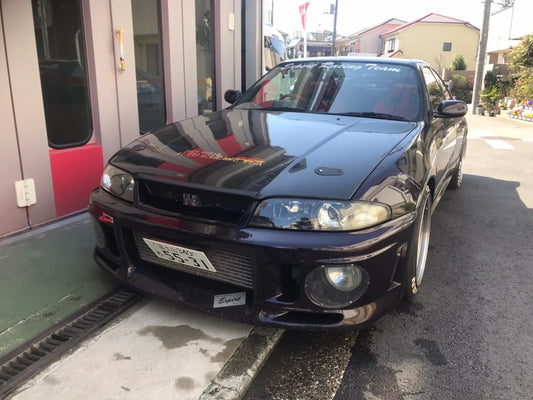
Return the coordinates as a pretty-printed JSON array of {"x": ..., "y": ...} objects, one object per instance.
[{"x": 180, "y": 255}]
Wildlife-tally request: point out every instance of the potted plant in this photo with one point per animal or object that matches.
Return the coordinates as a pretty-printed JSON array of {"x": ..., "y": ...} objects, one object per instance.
[{"x": 489, "y": 97}]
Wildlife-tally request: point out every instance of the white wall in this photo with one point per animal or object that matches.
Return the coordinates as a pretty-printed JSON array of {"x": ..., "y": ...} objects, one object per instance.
[
  {"x": 500, "y": 31},
  {"x": 522, "y": 17},
  {"x": 28, "y": 109}
]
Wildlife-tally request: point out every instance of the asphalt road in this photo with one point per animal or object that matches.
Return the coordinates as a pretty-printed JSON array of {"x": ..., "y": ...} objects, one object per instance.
[{"x": 468, "y": 333}]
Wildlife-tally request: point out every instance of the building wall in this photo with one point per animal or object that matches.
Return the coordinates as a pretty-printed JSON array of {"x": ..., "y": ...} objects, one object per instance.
[
  {"x": 13, "y": 218},
  {"x": 228, "y": 42},
  {"x": 61, "y": 180},
  {"x": 425, "y": 42},
  {"x": 521, "y": 21},
  {"x": 25, "y": 114},
  {"x": 500, "y": 31},
  {"x": 370, "y": 42}
]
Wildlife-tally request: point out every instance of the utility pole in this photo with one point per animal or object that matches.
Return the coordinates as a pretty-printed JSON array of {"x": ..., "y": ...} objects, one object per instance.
[
  {"x": 481, "y": 55},
  {"x": 334, "y": 29}
]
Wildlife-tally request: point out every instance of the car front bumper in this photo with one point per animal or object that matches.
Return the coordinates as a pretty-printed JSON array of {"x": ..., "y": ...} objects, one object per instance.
[{"x": 266, "y": 268}]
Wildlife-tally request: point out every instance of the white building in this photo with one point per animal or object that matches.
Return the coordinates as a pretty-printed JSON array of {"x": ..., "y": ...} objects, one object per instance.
[{"x": 506, "y": 28}]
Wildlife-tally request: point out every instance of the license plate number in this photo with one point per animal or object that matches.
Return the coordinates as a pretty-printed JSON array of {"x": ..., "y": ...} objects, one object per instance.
[{"x": 180, "y": 255}]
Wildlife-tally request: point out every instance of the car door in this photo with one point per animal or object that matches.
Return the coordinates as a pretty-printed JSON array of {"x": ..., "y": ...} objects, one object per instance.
[{"x": 443, "y": 132}]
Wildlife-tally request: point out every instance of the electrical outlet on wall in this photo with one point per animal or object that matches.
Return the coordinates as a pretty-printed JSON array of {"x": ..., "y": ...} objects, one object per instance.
[{"x": 26, "y": 195}]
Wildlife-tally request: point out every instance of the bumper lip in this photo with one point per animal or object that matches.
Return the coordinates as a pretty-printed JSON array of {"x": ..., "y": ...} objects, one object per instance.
[
  {"x": 335, "y": 248},
  {"x": 358, "y": 317},
  {"x": 347, "y": 319}
]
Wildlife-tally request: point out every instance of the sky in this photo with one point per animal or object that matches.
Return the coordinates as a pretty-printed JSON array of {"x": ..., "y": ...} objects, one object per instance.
[{"x": 355, "y": 15}]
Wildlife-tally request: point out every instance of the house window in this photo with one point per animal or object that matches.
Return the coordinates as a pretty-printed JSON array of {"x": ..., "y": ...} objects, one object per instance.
[
  {"x": 391, "y": 45},
  {"x": 447, "y": 46},
  {"x": 354, "y": 47}
]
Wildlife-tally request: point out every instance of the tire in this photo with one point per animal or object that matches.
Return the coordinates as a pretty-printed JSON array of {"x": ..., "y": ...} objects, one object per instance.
[
  {"x": 419, "y": 246},
  {"x": 457, "y": 177}
]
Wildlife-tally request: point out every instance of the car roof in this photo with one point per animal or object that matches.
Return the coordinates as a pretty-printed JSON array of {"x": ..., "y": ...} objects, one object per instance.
[{"x": 398, "y": 61}]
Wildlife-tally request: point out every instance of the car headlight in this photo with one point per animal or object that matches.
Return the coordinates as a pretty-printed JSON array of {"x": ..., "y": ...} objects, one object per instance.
[
  {"x": 118, "y": 182},
  {"x": 319, "y": 215}
]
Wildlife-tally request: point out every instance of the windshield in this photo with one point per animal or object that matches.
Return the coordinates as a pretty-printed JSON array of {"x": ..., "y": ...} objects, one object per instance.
[{"x": 367, "y": 89}]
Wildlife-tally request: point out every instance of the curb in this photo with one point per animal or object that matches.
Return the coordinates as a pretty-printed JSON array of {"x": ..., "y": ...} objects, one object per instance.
[{"x": 235, "y": 377}]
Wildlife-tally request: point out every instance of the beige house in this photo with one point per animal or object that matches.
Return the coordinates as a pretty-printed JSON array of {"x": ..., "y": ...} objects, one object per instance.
[
  {"x": 434, "y": 39},
  {"x": 367, "y": 41}
]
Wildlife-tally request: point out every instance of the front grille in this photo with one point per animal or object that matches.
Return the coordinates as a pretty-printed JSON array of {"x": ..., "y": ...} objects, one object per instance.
[
  {"x": 231, "y": 267},
  {"x": 214, "y": 206}
]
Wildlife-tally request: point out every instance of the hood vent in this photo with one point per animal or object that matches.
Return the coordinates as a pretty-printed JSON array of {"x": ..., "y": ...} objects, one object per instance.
[{"x": 327, "y": 171}]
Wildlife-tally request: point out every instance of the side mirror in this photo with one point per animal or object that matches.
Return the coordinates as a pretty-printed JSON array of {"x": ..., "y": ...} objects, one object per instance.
[
  {"x": 451, "y": 109},
  {"x": 231, "y": 96}
]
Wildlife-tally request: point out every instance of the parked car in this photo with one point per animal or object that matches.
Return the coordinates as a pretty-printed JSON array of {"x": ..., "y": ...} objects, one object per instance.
[{"x": 305, "y": 204}]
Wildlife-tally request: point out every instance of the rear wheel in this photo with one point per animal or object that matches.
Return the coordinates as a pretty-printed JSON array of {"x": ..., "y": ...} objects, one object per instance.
[{"x": 419, "y": 246}]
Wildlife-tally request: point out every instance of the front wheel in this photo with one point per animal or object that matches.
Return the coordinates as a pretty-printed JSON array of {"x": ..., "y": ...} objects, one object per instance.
[
  {"x": 457, "y": 177},
  {"x": 419, "y": 246}
]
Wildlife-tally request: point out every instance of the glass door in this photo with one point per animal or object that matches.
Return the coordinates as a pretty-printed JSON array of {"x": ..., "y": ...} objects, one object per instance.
[
  {"x": 75, "y": 159},
  {"x": 147, "y": 38},
  {"x": 205, "y": 56},
  {"x": 62, "y": 67}
]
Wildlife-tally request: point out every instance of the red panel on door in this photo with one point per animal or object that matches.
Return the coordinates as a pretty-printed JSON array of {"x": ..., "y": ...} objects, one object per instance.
[{"x": 75, "y": 173}]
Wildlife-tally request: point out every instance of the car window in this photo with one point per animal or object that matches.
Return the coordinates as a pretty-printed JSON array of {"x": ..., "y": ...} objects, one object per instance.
[
  {"x": 377, "y": 90},
  {"x": 437, "y": 91}
]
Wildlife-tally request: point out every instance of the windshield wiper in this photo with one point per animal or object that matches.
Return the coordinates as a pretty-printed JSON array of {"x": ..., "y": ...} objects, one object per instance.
[
  {"x": 295, "y": 109},
  {"x": 371, "y": 114}
]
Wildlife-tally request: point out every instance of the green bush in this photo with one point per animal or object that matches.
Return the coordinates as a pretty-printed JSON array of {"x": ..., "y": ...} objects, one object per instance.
[
  {"x": 464, "y": 95},
  {"x": 521, "y": 59},
  {"x": 523, "y": 87},
  {"x": 461, "y": 89},
  {"x": 458, "y": 63},
  {"x": 490, "y": 80},
  {"x": 489, "y": 97}
]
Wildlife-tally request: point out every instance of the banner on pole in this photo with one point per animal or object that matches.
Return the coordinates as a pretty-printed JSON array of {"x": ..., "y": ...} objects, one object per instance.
[{"x": 303, "y": 11}]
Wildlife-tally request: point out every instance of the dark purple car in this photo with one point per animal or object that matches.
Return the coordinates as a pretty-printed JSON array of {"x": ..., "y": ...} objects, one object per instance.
[{"x": 305, "y": 204}]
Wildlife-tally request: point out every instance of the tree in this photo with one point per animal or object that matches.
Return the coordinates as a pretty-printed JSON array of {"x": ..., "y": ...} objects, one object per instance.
[
  {"x": 458, "y": 63},
  {"x": 521, "y": 59},
  {"x": 522, "y": 54}
]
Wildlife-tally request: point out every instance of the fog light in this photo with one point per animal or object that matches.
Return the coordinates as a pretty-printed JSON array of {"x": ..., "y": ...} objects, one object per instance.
[
  {"x": 98, "y": 233},
  {"x": 334, "y": 286},
  {"x": 344, "y": 278}
]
